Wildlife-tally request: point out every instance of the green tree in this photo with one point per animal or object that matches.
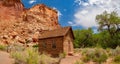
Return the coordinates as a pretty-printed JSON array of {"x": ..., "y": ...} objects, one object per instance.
[
  {"x": 109, "y": 22},
  {"x": 109, "y": 25},
  {"x": 83, "y": 38}
]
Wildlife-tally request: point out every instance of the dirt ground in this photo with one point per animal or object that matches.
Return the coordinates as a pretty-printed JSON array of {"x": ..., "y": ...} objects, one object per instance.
[
  {"x": 5, "y": 58},
  {"x": 70, "y": 59}
]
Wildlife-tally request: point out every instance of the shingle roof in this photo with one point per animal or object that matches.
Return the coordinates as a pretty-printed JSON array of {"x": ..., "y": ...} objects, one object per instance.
[{"x": 56, "y": 33}]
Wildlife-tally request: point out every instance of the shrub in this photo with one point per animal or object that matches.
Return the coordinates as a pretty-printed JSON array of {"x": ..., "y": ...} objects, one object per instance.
[
  {"x": 32, "y": 56},
  {"x": 109, "y": 51},
  {"x": 15, "y": 47},
  {"x": 35, "y": 46},
  {"x": 117, "y": 58},
  {"x": 115, "y": 52},
  {"x": 96, "y": 54},
  {"x": 2, "y": 47},
  {"x": 86, "y": 59},
  {"x": 29, "y": 56},
  {"x": 77, "y": 50},
  {"x": 62, "y": 55},
  {"x": 46, "y": 59},
  {"x": 79, "y": 62},
  {"x": 19, "y": 58}
]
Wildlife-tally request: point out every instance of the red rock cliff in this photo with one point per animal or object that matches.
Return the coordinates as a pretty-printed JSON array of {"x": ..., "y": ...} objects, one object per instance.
[{"x": 18, "y": 24}]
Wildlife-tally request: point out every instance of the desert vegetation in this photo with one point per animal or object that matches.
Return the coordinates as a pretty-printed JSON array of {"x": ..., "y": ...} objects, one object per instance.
[
  {"x": 2, "y": 47},
  {"x": 30, "y": 55},
  {"x": 98, "y": 55},
  {"x": 103, "y": 46}
]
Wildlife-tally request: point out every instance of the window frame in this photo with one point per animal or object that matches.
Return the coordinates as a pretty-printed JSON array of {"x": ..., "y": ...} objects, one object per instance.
[
  {"x": 54, "y": 44},
  {"x": 44, "y": 44}
]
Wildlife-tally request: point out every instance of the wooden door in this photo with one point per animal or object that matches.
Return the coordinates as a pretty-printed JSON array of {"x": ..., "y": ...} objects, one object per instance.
[{"x": 69, "y": 46}]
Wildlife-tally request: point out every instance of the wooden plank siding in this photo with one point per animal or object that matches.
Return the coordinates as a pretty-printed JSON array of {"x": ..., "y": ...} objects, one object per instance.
[
  {"x": 49, "y": 42},
  {"x": 68, "y": 40}
]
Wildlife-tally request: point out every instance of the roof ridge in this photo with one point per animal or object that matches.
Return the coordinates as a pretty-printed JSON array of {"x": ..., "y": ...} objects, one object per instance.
[{"x": 67, "y": 29}]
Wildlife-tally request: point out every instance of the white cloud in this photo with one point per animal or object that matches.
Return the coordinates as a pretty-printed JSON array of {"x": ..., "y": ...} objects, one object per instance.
[
  {"x": 84, "y": 12},
  {"x": 32, "y": 1},
  {"x": 85, "y": 4},
  {"x": 70, "y": 22},
  {"x": 85, "y": 16},
  {"x": 59, "y": 13},
  {"x": 78, "y": 1},
  {"x": 64, "y": 9}
]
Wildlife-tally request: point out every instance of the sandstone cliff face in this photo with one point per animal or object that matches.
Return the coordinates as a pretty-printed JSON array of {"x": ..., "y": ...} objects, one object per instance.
[
  {"x": 10, "y": 9},
  {"x": 18, "y": 24}
]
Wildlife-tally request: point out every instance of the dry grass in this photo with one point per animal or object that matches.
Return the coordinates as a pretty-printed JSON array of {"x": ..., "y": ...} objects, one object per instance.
[
  {"x": 2, "y": 47},
  {"x": 32, "y": 56},
  {"x": 99, "y": 55}
]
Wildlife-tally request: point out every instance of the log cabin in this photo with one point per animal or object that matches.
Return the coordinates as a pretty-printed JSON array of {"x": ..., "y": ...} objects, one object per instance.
[{"x": 57, "y": 41}]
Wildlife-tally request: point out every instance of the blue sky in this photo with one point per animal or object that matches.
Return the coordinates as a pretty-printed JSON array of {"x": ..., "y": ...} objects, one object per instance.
[{"x": 78, "y": 13}]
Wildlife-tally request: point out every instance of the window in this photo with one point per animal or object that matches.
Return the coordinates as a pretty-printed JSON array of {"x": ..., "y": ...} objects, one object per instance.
[
  {"x": 53, "y": 44},
  {"x": 44, "y": 44}
]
